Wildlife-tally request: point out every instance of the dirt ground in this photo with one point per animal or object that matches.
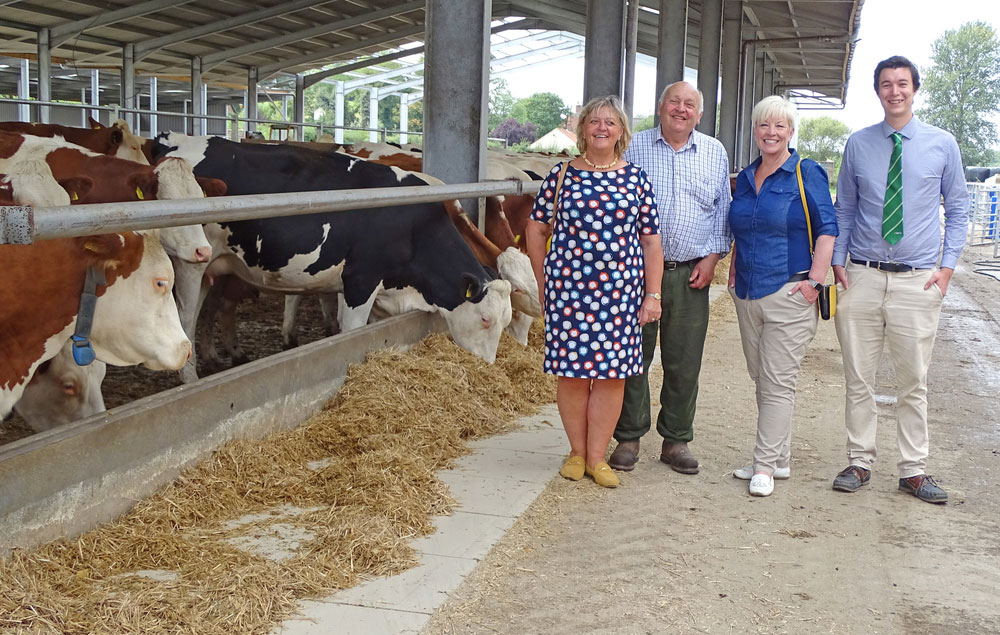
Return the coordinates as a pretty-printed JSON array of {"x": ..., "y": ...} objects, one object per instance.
[{"x": 695, "y": 554}]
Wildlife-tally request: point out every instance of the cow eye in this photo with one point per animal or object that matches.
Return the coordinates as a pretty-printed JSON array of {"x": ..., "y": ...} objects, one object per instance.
[{"x": 162, "y": 284}]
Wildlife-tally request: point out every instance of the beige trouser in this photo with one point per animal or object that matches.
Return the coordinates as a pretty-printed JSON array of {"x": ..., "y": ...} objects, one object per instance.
[
  {"x": 775, "y": 330},
  {"x": 882, "y": 308}
]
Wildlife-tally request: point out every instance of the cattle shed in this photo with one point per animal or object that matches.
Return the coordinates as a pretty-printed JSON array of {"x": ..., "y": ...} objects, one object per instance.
[{"x": 202, "y": 58}]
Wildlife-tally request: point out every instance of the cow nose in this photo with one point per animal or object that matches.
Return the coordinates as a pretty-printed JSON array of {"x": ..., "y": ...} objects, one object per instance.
[{"x": 202, "y": 254}]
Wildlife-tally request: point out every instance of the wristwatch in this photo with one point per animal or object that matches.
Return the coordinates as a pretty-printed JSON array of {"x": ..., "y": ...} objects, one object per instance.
[
  {"x": 816, "y": 285},
  {"x": 654, "y": 295}
]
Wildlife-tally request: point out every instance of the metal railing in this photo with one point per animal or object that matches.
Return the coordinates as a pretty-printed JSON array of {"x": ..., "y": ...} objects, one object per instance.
[
  {"x": 984, "y": 221},
  {"x": 235, "y": 119},
  {"x": 24, "y": 225}
]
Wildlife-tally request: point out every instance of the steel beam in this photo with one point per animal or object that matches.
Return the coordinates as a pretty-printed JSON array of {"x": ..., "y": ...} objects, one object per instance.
[
  {"x": 672, "y": 46},
  {"x": 631, "y": 41},
  {"x": 128, "y": 94},
  {"x": 251, "y": 109},
  {"x": 270, "y": 69},
  {"x": 214, "y": 59},
  {"x": 708, "y": 62},
  {"x": 731, "y": 39},
  {"x": 44, "y": 74},
  {"x": 603, "y": 56},
  {"x": 456, "y": 82},
  {"x": 68, "y": 30}
]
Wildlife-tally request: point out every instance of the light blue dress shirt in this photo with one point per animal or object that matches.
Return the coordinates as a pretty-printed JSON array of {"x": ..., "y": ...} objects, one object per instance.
[
  {"x": 692, "y": 192},
  {"x": 932, "y": 168}
]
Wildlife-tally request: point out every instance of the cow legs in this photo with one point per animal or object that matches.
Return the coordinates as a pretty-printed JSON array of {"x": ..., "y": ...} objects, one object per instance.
[
  {"x": 189, "y": 292},
  {"x": 329, "y": 304},
  {"x": 355, "y": 318},
  {"x": 289, "y": 322}
]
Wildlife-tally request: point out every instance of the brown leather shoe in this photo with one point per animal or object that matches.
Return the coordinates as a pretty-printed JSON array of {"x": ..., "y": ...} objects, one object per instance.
[
  {"x": 625, "y": 456},
  {"x": 679, "y": 458}
]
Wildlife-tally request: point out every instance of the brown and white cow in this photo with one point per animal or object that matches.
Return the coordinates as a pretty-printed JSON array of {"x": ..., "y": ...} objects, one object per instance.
[
  {"x": 62, "y": 392},
  {"x": 114, "y": 141},
  {"x": 91, "y": 177}
]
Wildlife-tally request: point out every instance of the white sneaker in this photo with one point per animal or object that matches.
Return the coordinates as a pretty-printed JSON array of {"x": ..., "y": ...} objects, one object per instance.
[
  {"x": 761, "y": 485},
  {"x": 745, "y": 473}
]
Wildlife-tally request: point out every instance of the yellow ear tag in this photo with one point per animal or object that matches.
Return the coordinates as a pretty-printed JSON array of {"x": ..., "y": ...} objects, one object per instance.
[
  {"x": 91, "y": 247},
  {"x": 73, "y": 196},
  {"x": 517, "y": 238},
  {"x": 468, "y": 293},
  {"x": 138, "y": 192}
]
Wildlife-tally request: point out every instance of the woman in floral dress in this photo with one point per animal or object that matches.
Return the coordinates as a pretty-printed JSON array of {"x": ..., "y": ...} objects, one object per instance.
[{"x": 601, "y": 281}]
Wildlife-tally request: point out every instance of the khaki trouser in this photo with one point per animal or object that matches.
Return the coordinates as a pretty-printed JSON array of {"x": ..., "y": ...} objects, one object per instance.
[
  {"x": 882, "y": 308},
  {"x": 775, "y": 331}
]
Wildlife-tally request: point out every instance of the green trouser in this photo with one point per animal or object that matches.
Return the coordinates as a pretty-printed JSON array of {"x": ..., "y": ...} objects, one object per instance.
[{"x": 682, "y": 327}]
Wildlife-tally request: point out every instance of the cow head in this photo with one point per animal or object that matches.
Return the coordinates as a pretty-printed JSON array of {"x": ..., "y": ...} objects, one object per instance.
[
  {"x": 175, "y": 180},
  {"x": 33, "y": 184},
  {"x": 61, "y": 392},
  {"x": 515, "y": 267},
  {"x": 476, "y": 325},
  {"x": 125, "y": 144},
  {"x": 136, "y": 320}
]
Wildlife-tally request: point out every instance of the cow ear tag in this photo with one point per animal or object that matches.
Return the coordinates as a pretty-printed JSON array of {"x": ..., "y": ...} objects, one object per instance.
[
  {"x": 138, "y": 192},
  {"x": 468, "y": 293},
  {"x": 73, "y": 196}
]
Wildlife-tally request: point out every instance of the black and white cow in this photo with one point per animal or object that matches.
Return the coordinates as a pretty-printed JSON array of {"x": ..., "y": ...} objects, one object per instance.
[{"x": 413, "y": 250}]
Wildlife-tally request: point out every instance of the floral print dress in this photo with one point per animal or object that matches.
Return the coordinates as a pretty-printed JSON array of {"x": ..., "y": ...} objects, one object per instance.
[{"x": 594, "y": 270}]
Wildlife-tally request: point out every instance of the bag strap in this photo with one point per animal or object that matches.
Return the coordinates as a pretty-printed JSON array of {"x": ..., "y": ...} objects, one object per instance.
[
  {"x": 805, "y": 206},
  {"x": 555, "y": 199}
]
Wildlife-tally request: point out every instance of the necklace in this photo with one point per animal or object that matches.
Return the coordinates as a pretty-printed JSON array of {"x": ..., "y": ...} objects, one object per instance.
[{"x": 599, "y": 167}]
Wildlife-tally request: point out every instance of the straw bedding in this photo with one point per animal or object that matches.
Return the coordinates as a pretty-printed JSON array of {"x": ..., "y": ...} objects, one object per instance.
[{"x": 338, "y": 497}]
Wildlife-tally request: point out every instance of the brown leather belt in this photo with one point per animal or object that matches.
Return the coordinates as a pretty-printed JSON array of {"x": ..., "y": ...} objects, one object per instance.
[{"x": 670, "y": 265}]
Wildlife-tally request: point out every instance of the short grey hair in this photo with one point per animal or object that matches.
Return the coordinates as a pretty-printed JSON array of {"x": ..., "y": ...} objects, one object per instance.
[
  {"x": 701, "y": 96},
  {"x": 774, "y": 106}
]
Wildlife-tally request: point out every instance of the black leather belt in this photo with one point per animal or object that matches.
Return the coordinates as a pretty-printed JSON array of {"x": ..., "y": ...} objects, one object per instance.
[
  {"x": 891, "y": 267},
  {"x": 670, "y": 265},
  {"x": 799, "y": 277}
]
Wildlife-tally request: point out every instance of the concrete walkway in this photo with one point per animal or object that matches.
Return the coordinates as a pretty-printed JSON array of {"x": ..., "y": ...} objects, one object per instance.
[{"x": 493, "y": 486}]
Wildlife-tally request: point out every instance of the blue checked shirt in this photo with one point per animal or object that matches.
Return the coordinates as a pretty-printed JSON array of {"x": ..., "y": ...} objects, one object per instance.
[{"x": 692, "y": 192}]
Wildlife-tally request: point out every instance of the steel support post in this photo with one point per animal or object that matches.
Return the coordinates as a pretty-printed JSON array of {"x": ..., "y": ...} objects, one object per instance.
[
  {"x": 300, "y": 105},
  {"x": 24, "y": 92},
  {"x": 95, "y": 93},
  {"x": 672, "y": 46},
  {"x": 404, "y": 117},
  {"x": 760, "y": 67},
  {"x": 128, "y": 94},
  {"x": 373, "y": 113},
  {"x": 44, "y": 74},
  {"x": 251, "y": 107},
  {"x": 153, "y": 107},
  {"x": 456, "y": 92},
  {"x": 604, "y": 48},
  {"x": 731, "y": 38},
  {"x": 195, "y": 125},
  {"x": 338, "y": 114},
  {"x": 708, "y": 62},
  {"x": 749, "y": 64},
  {"x": 631, "y": 44}
]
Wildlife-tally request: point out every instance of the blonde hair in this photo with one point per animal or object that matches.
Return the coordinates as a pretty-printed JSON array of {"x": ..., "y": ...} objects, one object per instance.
[
  {"x": 613, "y": 103},
  {"x": 774, "y": 106}
]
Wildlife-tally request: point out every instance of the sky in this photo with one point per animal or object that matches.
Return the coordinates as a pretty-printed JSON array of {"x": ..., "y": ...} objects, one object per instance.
[{"x": 888, "y": 27}]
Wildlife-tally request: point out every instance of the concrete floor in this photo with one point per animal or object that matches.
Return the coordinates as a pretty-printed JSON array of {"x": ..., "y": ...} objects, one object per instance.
[{"x": 493, "y": 486}]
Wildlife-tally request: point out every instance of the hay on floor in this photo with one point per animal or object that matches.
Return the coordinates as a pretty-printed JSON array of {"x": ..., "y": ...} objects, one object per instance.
[{"x": 354, "y": 485}]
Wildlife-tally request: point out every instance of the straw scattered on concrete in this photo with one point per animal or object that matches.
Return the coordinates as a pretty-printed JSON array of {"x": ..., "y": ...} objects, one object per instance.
[{"x": 340, "y": 497}]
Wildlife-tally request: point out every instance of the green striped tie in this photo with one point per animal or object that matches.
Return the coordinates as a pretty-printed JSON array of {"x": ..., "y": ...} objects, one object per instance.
[{"x": 892, "y": 211}]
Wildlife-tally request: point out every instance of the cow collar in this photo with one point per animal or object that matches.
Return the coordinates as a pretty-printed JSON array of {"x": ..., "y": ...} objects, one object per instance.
[{"x": 83, "y": 352}]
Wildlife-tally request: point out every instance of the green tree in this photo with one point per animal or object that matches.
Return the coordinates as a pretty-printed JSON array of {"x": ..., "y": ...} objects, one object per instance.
[
  {"x": 962, "y": 88},
  {"x": 645, "y": 123},
  {"x": 501, "y": 102},
  {"x": 545, "y": 110},
  {"x": 822, "y": 138}
]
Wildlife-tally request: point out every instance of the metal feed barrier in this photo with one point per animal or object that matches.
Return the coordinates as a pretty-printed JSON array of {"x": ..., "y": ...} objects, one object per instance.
[{"x": 984, "y": 225}]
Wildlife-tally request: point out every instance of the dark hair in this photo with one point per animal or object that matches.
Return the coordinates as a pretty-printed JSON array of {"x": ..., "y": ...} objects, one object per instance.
[{"x": 898, "y": 61}]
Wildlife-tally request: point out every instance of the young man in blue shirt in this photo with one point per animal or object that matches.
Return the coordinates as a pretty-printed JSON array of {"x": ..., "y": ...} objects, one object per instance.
[{"x": 894, "y": 271}]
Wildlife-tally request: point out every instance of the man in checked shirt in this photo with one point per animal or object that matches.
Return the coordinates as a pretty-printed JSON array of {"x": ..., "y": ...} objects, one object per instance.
[{"x": 690, "y": 176}]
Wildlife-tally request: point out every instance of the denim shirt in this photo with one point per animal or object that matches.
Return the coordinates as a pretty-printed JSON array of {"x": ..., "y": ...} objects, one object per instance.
[{"x": 769, "y": 227}]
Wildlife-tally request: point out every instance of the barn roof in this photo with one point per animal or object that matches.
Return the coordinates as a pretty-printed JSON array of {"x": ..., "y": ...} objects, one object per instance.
[{"x": 809, "y": 41}]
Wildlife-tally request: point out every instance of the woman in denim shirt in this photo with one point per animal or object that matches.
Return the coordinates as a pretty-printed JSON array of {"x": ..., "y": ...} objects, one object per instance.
[{"x": 775, "y": 281}]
